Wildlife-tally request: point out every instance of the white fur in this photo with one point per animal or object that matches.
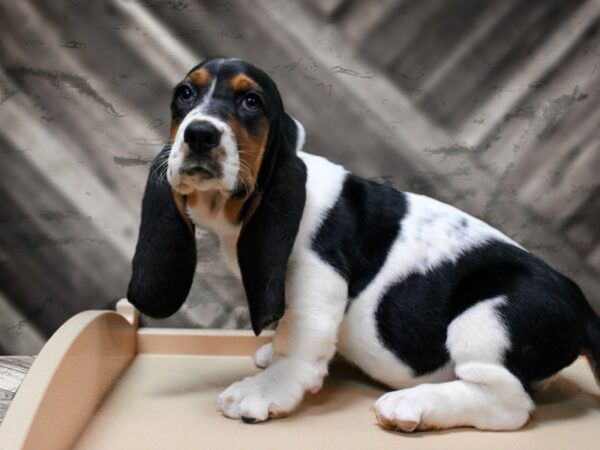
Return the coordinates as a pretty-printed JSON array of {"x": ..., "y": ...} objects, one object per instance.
[
  {"x": 301, "y": 135},
  {"x": 272, "y": 393},
  {"x": 214, "y": 219},
  {"x": 264, "y": 356},
  {"x": 478, "y": 334}
]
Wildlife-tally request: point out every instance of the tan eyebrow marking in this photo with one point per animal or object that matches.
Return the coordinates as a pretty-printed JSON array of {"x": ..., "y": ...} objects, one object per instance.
[
  {"x": 200, "y": 77},
  {"x": 241, "y": 82}
]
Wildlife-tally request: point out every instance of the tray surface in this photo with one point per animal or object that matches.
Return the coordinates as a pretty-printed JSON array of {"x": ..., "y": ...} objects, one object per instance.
[{"x": 170, "y": 402}]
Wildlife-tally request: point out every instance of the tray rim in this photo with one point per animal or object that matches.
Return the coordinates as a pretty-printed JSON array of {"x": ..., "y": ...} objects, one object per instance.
[{"x": 33, "y": 420}]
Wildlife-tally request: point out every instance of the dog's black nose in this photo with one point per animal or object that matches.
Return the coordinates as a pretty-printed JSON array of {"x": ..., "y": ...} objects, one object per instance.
[{"x": 201, "y": 136}]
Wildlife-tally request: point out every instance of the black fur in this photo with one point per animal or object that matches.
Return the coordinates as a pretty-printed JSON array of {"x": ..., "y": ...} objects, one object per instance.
[
  {"x": 359, "y": 230},
  {"x": 591, "y": 338},
  {"x": 266, "y": 240},
  {"x": 165, "y": 256},
  {"x": 544, "y": 313},
  {"x": 546, "y": 317}
]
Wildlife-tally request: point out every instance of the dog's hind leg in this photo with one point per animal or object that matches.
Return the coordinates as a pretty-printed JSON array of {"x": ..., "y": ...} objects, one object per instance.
[{"x": 485, "y": 395}]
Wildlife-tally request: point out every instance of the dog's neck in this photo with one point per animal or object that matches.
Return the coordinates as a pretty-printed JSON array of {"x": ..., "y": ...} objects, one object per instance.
[{"x": 214, "y": 211}]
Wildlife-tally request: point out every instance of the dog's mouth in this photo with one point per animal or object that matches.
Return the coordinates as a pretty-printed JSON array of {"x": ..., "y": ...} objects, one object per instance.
[
  {"x": 201, "y": 171},
  {"x": 206, "y": 170}
]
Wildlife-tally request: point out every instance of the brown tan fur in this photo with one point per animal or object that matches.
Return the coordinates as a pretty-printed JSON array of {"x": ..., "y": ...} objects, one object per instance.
[
  {"x": 241, "y": 82},
  {"x": 252, "y": 149},
  {"x": 180, "y": 203},
  {"x": 192, "y": 199},
  {"x": 200, "y": 77}
]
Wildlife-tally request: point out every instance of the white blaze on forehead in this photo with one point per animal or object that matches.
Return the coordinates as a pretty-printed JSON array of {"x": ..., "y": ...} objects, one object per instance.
[
  {"x": 179, "y": 151},
  {"x": 209, "y": 94}
]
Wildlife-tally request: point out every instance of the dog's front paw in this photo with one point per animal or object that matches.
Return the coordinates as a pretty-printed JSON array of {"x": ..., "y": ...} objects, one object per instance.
[
  {"x": 264, "y": 356},
  {"x": 260, "y": 397}
]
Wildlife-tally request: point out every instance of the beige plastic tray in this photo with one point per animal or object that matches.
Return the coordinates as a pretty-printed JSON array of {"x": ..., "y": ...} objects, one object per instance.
[{"x": 101, "y": 383}]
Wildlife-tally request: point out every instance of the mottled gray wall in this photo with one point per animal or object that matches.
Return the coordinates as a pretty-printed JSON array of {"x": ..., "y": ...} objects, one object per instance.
[{"x": 489, "y": 105}]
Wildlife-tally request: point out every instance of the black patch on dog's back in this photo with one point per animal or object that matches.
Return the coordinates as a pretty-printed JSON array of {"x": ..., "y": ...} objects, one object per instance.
[
  {"x": 359, "y": 230},
  {"x": 542, "y": 312}
]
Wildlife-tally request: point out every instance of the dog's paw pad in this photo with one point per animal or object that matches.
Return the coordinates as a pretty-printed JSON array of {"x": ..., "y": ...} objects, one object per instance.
[{"x": 248, "y": 419}]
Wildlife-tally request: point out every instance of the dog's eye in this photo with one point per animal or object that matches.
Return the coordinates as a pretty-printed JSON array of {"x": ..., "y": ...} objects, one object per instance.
[
  {"x": 184, "y": 94},
  {"x": 252, "y": 102}
]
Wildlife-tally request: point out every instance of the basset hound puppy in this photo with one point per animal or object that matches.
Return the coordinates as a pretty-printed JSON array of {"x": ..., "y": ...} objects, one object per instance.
[{"x": 454, "y": 316}]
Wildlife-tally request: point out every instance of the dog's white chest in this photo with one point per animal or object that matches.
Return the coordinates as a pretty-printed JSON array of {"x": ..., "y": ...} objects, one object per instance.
[{"x": 207, "y": 213}]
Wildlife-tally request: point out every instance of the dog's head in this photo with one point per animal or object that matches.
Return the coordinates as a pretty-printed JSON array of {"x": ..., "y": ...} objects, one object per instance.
[
  {"x": 223, "y": 115},
  {"x": 229, "y": 134}
]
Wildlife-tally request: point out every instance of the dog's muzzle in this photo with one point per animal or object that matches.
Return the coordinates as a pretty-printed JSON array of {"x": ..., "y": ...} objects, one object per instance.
[
  {"x": 201, "y": 137},
  {"x": 204, "y": 155}
]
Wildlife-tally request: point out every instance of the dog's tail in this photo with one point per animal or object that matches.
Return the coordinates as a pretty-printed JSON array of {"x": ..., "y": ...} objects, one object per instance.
[{"x": 591, "y": 343}]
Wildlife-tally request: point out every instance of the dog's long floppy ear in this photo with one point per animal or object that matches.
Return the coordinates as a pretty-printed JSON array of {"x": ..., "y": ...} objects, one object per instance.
[
  {"x": 165, "y": 256},
  {"x": 267, "y": 238}
]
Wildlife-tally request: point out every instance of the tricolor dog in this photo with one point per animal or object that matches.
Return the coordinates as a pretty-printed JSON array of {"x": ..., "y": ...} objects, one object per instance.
[{"x": 454, "y": 316}]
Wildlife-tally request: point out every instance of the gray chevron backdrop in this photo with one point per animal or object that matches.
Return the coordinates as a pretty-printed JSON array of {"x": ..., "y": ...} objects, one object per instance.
[{"x": 491, "y": 105}]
